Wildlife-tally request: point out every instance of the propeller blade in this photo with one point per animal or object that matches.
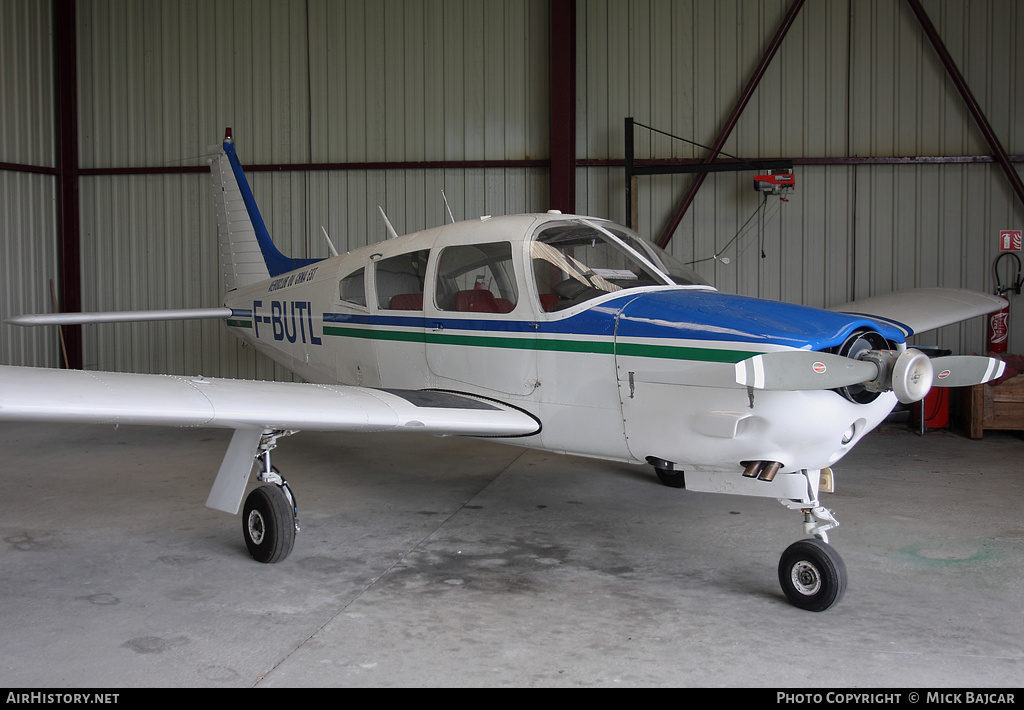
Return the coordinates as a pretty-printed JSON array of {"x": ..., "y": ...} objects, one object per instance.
[
  {"x": 803, "y": 370},
  {"x": 965, "y": 370}
]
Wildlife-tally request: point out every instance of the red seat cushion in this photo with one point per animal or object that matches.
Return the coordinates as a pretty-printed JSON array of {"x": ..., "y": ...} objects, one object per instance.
[
  {"x": 406, "y": 302},
  {"x": 480, "y": 301}
]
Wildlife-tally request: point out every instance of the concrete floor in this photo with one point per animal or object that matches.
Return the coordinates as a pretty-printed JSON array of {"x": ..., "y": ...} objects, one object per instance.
[{"x": 441, "y": 562}]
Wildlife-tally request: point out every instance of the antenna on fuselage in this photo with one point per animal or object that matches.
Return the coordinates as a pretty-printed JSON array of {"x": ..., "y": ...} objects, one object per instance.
[
  {"x": 452, "y": 218},
  {"x": 387, "y": 222},
  {"x": 330, "y": 244}
]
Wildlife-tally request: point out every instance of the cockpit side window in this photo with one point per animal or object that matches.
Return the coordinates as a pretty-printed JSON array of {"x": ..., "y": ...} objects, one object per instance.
[
  {"x": 476, "y": 278},
  {"x": 576, "y": 261},
  {"x": 399, "y": 280}
]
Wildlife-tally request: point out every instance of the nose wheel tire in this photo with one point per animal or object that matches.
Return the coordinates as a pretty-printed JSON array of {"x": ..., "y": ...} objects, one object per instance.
[
  {"x": 268, "y": 524},
  {"x": 812, "y": 575}
]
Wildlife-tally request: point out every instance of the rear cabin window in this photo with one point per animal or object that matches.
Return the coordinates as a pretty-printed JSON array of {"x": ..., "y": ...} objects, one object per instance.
[
  {"x": 476, "y": 278},
  {"x": 400, "y": 281},
  {"x": 352, "y": 288}
]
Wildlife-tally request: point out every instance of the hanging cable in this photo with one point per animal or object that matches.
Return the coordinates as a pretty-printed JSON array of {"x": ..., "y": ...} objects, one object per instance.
[
  {"x": 718, "y": 255},
  {"x": 760, "y": 229}
]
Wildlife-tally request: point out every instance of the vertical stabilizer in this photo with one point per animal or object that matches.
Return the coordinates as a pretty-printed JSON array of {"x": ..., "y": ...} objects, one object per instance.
[
  {"x": 247, "y": 254},
  {"x": 241, "y": 260}
]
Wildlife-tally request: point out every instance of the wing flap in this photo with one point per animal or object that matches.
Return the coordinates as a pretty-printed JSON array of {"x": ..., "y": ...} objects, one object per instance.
[
  {"x": 922, "y": 309},
  {"x": 39, "y": 394}
]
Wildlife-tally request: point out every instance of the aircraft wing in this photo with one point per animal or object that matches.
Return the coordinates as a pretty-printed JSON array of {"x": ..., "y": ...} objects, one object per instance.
[
  {"x": 922, "y": 309},
  {"x": 41, "y": 394},
  {"x": 251, "y": 408}
]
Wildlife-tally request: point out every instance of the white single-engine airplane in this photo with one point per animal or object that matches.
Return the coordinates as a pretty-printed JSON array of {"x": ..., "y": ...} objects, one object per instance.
[{"x": 550, "y": 331}]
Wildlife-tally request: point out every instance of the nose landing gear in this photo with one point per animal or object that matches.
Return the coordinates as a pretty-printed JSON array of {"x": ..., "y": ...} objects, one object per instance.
[{"x": 812, "y": 574}]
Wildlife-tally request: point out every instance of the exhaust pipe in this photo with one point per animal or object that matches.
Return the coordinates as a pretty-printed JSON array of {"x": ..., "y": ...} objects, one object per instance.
[
  {"x": 761, "y": 470},
  {"x": 769, "y": 471},
  {"x": 751, "y": 468}
]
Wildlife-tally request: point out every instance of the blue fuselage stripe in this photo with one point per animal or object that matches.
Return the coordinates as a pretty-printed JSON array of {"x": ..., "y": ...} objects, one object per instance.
[{"x": 667, "y": 316}]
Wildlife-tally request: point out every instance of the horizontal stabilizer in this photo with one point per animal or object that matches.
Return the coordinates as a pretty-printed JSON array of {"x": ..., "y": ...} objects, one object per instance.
[
  {"x": 118, "y": 316},
  {"x": 922, "y": 309}
]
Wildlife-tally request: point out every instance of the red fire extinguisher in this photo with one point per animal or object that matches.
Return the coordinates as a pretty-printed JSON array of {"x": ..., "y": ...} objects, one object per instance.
[{"x": 999, "y": 322}]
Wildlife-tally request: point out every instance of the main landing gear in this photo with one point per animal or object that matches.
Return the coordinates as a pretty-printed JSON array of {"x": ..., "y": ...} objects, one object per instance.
[
  {"x": 270, "y": 515},
  {"x": 812, "y": 574}
]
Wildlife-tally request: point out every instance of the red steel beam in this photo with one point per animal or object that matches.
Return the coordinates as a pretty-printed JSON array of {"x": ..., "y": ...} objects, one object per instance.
[
  {"x": 562, "y": 105},
  {"x": 972, "y": 104},
  {"x": 734, "y": 117},
  {"x": 318, "y": 167},
  {"x": 530, "y": 163},
  {"x": 68, "y": 220}
]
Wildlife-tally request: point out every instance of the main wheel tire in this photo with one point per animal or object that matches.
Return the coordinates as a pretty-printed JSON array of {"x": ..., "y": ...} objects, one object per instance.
[
  {"x": 812, "y": 575},
  {"x": 268, "y": 524},
  {"x": 672, "y": 479}
]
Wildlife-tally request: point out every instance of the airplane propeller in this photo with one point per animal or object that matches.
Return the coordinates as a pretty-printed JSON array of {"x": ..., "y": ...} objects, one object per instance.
[{"x": 910, "y": 373}]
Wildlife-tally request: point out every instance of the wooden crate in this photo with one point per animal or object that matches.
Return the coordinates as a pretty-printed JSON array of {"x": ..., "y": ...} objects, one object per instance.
[{"x": 984, "y": 407}]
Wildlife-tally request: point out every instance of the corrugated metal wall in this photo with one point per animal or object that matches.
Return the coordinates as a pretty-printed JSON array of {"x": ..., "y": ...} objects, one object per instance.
[
  {"x": 28, "y": 254},
  {"x": 852, "y": 78},
  {"x": 299, "y": 82},
  {"x": 326, "y": 81}
]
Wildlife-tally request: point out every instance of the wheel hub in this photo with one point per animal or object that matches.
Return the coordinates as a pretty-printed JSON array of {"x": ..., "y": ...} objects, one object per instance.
[
  {"x": 806, "y": 578},
  {"x": 257, "y": 528}
]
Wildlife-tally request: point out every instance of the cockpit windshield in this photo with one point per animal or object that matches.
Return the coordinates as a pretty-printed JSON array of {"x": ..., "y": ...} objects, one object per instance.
[{"x": 580, "y": 260}]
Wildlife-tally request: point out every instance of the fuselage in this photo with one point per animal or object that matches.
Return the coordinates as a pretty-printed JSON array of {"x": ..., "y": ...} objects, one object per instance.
[{"x": 558, "y": 316}]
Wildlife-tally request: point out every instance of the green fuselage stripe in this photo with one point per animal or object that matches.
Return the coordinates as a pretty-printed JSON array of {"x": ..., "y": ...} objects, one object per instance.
[
  {"x": 677, "y": 352},
  {"x": 602, "y": 347}
]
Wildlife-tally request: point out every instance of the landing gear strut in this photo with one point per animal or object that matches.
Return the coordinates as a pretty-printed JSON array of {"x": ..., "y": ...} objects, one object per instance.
[{"x": 269, "y": 518}]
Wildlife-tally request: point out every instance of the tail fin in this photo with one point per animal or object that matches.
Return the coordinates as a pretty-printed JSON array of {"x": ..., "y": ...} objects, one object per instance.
[{"x": 247, "y": 254}]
